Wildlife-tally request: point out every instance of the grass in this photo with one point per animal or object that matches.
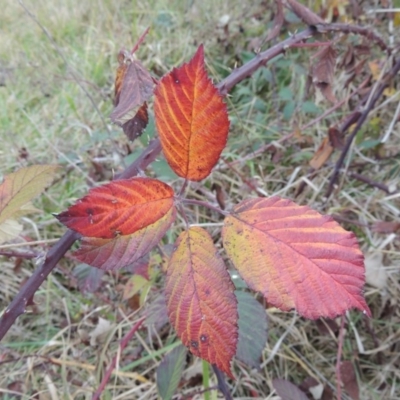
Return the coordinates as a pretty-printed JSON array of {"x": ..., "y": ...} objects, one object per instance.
[{"x": 55, "y": 98}]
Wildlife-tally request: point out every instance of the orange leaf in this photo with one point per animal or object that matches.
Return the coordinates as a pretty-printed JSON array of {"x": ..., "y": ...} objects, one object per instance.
[
  {"x": 322, "y": 155},
  {"x": 119, "y": 208},
  {"x": 296, "y": 257},
  {"x": 133, "y": 86},
  {"x": 201, "y": 302},
  {"x": 121, "y": 251},
  {"x": 191, "y": 119}
]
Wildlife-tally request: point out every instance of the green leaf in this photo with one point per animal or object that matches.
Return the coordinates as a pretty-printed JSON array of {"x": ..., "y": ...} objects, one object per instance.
[
  {"x": 169, "y": 372},
  {"x": 252, "y": 329}
]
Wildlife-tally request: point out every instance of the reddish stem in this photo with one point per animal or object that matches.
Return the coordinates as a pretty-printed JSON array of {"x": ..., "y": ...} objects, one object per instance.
[
  {"x": 204, "y": 204},
  {"x": 315, "y": 44},
  {"x": 139, "y": 42},
  {"x": 338, "y": 361}
]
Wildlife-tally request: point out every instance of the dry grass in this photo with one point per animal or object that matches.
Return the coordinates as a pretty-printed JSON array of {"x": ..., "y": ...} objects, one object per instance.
[{"x": 55, "y": 98}]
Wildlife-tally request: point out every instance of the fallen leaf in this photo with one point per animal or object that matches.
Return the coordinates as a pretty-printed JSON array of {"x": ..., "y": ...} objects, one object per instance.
[
  {"x": 100, "y": 332},
  {"x": 335, "y": 138},
  {"x": 386, "y": 227},
  {"x": 349, "y": 379},
  {"x": 323, "y": 71},
  {"x": 375, "y": 272},
  {"x": 287, "y": 390},
  {"x": 322, "y": 154},
  {"x": 9, "y": 230},
  {"x": 220, "y": 194}
]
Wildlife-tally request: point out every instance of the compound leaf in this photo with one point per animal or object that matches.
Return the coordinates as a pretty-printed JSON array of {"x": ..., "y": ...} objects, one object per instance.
[
  {"x": 201, "y": 302},
  {"x": 296, "y": 257},
  {"x": 191, "y": 119},
  {"x": 121, "y": 251},
  {"x": 119, "y": 208}
]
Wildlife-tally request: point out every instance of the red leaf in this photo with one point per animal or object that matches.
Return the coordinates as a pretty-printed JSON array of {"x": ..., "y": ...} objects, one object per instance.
[
  {"x": 119, "y": 208},
  {"x": 191, "y": 119},
  {"x": 201, "y": 302},
  {"x": 296, "y": 257},
  {"x": 121, "y": 251}
]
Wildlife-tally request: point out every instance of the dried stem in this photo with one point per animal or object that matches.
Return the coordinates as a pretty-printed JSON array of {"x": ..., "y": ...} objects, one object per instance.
[
  {"x": 20, "y": 254},
  {"x": 361, "y": 117},
  {"x": 124, "y": 342},
  {"x": 370, "y": 182},
  {"x": 338, "y": 360}
]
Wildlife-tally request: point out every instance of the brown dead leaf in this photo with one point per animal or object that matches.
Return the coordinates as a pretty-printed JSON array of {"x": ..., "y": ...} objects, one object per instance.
[
  {"x": 304, "y": 13},
  {"x": 349, "y": 379},
  {"x": 135, "y": 126},
  {"x": 322, "y": 154},
  {"x": 100, "y": 332},
  {"x": 219, "y": 194},
  {"x": 133, "y": 87},
  {"x": 375, "y": 272},
  {"x": 375, "y": 68},
  {"x": 323, "y": 71},
  {"x": 327, "y": 326},
  {"x": 300, "y": 137},
  {"x": 336, "y": 138},
  {"x": 348, "y": 60},
  {"x": 311, "y": 386}
]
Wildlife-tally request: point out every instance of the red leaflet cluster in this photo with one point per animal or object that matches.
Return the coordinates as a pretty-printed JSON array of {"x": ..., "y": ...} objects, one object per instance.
[{"x": 297, "y": 258}]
